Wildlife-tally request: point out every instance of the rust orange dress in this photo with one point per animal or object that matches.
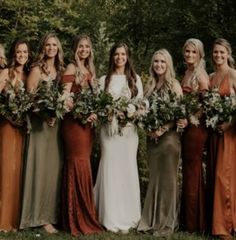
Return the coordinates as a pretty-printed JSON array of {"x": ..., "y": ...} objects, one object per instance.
[
  {"x": 11, "y": 162},
  {"x": 193, "y": 192},
  {"x": 223, "y": 162},
  {"x": 78, "y": 209}
]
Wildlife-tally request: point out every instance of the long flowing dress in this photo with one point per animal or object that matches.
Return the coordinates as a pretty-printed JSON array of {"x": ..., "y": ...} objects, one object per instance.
[
  {"x": 222, "y": 159},
  {"x": 193, "y": 212},
  {"x": 42, "y": 174},
  {"x": 78, "y": 208},
  {"x": 117, "y": 191},
  {"x": 161, "y": 207},
  {"x": 11, "y": 161}
]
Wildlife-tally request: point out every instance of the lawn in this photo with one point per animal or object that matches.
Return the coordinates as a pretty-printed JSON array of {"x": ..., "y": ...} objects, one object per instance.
[{"x": 38, "y": 234}]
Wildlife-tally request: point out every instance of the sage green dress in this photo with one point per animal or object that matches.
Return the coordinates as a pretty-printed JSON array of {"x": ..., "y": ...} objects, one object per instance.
[
  {"x": 42, "y": 175},
  {"x": 161, "y": 206}
]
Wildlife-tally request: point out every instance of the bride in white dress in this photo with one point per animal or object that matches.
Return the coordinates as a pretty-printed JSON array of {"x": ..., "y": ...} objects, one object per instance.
[{"x": 117, "y": 192}]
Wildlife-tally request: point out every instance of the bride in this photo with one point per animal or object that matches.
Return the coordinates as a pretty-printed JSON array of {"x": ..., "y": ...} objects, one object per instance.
[{"x": 117, "y": 192}]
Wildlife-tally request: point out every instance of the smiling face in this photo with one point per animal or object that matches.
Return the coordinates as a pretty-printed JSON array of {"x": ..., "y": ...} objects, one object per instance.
[
  {"x": 22, "y": 54},
  {"x": 191, "y": 55},
  {"x": 83, "y": 49},
  {"x": 120, "y": 57},
  {"x": 51, "y": 47},
  {"x": 159, "y": 64},
  {"x": 220, "y": 55}
]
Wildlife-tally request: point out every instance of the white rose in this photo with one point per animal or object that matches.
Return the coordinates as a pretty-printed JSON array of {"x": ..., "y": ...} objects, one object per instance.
[{"x": 131, "y": 110}]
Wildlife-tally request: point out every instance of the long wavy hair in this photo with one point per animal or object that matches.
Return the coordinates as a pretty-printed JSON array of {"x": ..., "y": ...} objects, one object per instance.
[
  {"x": 201, "y": 64},
  {"x": 223, "y": 42},
  {"x": 89, "y": 62},
  {"x": 3, "y": 57},
  {"x": 42, "y": 57},
  {"x": 129, "y": 69},
  {"x": 169, "y": 74},
  {"x": 12, "y": 64}
]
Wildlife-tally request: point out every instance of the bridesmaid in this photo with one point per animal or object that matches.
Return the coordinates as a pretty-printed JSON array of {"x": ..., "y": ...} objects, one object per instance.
[
  {"x": 11, "y": 142},
  {"x": 223, "y": 147},
  {"x": 3, "y": 60},
  {"x": 43, "y": 163},
  {"x": 160, "y": 212},
  {"x": 79, "y": 213},
  {"x": 117, "y": 193},
  {"x": 193, "y": 141}
]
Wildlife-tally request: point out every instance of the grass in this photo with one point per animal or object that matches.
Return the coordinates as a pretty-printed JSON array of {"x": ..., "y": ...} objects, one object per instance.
[{"x": 39, "y": 234}]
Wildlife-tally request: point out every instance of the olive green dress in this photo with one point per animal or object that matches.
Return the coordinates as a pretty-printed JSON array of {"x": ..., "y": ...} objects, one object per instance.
[
  {"x": 161, "y": 206},
  {"x": 42, "y": 175}
]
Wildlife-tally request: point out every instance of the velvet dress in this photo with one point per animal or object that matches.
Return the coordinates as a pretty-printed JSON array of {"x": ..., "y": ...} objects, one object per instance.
[
  {"x": 78, "y": 208},
  {"x": 193, "y": 212}
]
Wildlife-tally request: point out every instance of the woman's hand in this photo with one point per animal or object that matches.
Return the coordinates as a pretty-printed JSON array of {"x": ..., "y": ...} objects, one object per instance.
[
  {"x": 51, "y": 121},
  {"x": 92, "y": 118},
  {"x": 158, "y": 133},
  {"x": 70, "y": 103},
  {"x": 223, "y": 127},
  {"x": 182, "y": 123}
]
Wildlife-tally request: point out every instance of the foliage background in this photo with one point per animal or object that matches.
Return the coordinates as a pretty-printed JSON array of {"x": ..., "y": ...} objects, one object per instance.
[{"x": 146, "y": 25}]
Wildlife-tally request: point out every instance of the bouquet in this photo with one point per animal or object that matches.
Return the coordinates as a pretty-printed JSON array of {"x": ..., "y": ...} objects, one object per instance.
[
  {"x": 85, "y": 103},
  {"x": 161, "y": 110},
  {"x": 193, "y": 105},
  {"x": 62, "y": 103},
  {"x": 15, "y": 102},
  {"x": 105, "y": 107},
  {"x": 217, "y": 108},
  {"x": 130, "y": 111},
  {"x": 49, "y": 100}
]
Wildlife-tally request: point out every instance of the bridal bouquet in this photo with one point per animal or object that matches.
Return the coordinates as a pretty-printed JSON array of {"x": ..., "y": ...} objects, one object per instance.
[
  {"x": 217, "y": 108},
  {"x": 130, "y": 111},
  {"x": 15, "y": 102},
  {"x": 161, "y": 110},
  {"x": 85, "y": 103}
]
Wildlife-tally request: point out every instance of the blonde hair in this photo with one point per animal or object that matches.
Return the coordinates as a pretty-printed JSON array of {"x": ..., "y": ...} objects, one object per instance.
[
  {"x": 201, "y": 64},
  {"x": 169, "y": 74},
  {"x": 41, "y": 57},
  {"x": 89, "y": 62},
  {"x": 223, "y": 42},
  {"x": 3, "y": 57}
]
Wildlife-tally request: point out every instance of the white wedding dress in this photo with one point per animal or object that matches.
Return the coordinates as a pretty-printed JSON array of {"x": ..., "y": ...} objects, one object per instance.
[{"x": 117, "y": 191}]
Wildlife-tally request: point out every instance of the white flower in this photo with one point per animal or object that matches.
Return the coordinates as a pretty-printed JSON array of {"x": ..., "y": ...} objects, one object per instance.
[
  {"x": 131, "y": 110},
  {"x": 194, "y": 120}
]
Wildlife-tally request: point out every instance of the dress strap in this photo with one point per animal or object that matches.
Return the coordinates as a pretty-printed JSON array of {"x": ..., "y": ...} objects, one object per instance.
[{"x": 68, "y": 78}]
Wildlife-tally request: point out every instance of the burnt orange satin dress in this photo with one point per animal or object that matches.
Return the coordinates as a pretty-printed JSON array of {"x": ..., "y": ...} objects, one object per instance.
[
  {"x": 193, "y": 192},
  {"x": 78, "y": 208},
  {"x": 223, "y": 162},
  {"x": 11, "y": 153}
]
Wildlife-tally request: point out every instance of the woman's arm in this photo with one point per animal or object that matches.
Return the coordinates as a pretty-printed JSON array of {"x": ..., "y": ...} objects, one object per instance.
[
  {"x": 3, "y": 79},
  {"x": 33, "y": 79}
]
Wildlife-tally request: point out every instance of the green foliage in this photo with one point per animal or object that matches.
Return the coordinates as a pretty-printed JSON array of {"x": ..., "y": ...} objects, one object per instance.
[{"x": 146, "y": 25}]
